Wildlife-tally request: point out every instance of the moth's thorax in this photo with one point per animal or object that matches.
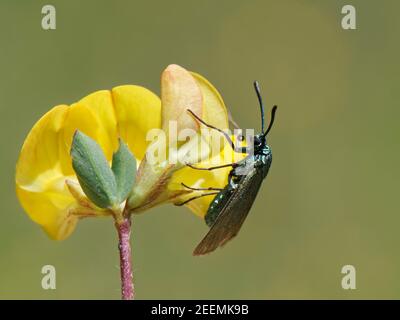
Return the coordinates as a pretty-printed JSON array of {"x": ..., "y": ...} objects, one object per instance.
[
  {"x": 263, "y": 160},
  {"x": 261, "y": 152},
  {"x": 259, "y": 160},
  {"x": 264, "y": 150}
]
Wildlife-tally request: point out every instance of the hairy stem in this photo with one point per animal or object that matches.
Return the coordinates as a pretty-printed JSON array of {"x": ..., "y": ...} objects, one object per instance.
[{"x": 124, "y": 232}]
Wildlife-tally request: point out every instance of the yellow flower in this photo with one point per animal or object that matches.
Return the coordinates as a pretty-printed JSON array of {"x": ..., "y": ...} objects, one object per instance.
[
  {"x": 162, "y": 182},
  {"x": 46, "y": 183}
]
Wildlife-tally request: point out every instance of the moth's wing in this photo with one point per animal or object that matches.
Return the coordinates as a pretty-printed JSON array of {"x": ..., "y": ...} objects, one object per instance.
[{"x": 233, "y": 214}]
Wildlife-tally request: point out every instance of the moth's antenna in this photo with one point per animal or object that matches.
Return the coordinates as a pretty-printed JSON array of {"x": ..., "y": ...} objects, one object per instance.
[
  {"x": 257, "y": 88},
  {"x": 271, "y": 121}
]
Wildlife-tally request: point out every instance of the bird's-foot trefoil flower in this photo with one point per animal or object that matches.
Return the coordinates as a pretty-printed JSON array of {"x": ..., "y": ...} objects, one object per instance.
[{"x": 95, "y": 158}]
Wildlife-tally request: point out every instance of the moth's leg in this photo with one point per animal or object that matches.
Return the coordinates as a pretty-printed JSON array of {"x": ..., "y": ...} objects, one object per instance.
[
  {"x": 201, "y": 189},
  {"x": 236, "y": 149},
  {"x": 194, "y": 198},
  {"x": 233, "y": 165}
]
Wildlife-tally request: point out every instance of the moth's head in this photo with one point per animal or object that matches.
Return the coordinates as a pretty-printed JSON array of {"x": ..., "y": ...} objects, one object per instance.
[
  {"x": 260, "y": 145},
  {"x": 259, "y": 141}
]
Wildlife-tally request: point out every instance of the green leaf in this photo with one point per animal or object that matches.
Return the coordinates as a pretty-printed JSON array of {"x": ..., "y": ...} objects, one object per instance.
[
  {"x": 93, "y": 171},
  {"x": 124, "y": 168}
]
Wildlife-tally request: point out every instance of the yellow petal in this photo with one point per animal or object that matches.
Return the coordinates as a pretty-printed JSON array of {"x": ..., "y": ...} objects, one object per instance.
[
  {"x": 93, "y": 115},
  {"x": 179, "y": 92},
  {"x": 138, "y": 110},
  {"x": 199, "y": 179},
  {"x": 50, "y": 209},
  {"x": 215, "y": 114},
  {"x": 214, "y": 109},
  {"x": 39, "y": 177},
  {"x": 101, "y": 104},
  {"x": 40, "y": 152}
]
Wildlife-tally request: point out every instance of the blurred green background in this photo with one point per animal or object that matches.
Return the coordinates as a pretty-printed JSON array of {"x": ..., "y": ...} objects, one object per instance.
[{"x": 331, "y": 198}]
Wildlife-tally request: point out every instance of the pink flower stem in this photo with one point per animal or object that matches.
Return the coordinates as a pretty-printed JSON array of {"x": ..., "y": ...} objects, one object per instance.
[{"x": 124, "y": 233}]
